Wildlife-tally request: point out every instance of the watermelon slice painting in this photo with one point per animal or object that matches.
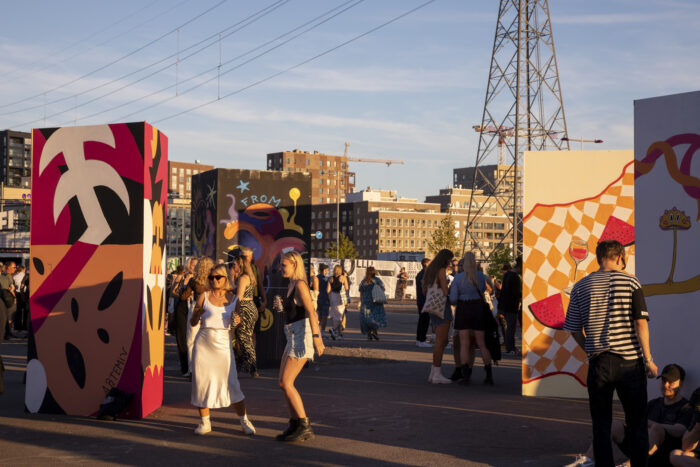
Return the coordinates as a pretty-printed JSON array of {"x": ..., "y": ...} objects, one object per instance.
[
  {"x": 549, "y": 311},
  {"x": 617, "y": 229}
]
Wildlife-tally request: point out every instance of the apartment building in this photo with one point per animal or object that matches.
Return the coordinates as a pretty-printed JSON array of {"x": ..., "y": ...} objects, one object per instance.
[
  {"x": 490, "y": 179},
  {"x": 16, "y": 153},
  {"x": 330, "y": 179},
  {"x": 180, "y": 179}
]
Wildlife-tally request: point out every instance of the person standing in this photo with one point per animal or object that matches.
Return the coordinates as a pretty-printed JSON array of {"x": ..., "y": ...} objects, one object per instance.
[
  {"x": 22, "y": 299},
  {"x": 423, "y": 318},
  {"x": 336, "y": 289},
  {"x": 214, "y": 380},
  {"x": 7, "y": 289},
  {"x": 181, "y": 311},
  {"x": 401, "y": 284},
  {"x": 322, "y": 302},
  {"x": 196, "y": 286},
  {"x": 372, "y": 315},
  {"x": 246, "y": 284},
  {"x": 436, "y": 274},
  {"x": 609, "y": 306},
  {"x": 510, "y": 303},
  {"x": 303, "y": 337}
]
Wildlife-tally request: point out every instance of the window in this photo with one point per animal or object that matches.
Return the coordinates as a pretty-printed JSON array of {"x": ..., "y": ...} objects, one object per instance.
[
  {"x": 174, "y": 170},
  {"x": 188, "y": 172},
  {"x": 287, "y": 160},
  {"x": 393, "y": 232},
  {"x": 320, "y": 190},
  {"x": 412, "y": 222},
  {"x": 423, "y": 222},
  {"x": 393, "y": 221}
]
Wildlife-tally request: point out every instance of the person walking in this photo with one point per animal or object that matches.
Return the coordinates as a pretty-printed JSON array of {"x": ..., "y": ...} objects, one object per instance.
[
  {"x": 436, "y": 273},
  {"x": 303, "y": 337},
  {"x": 510, "y": 303},
  {"x": 246, "y": 284},
  {"x": 336, "y": 289},
  {"x": 372, "y": 315},
  {"x": 423, "y": 318},
  {"x": 323, "y": 301},
  {"x": 609, "y": 306},
  {"x": 214, "y": 380},
  {"x": 466, "y": 293}
]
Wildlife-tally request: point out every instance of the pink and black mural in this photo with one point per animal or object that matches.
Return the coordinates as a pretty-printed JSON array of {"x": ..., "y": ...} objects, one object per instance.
[
  {"x": 269, "y": 212},
  {"x": 98, "y": 259}
]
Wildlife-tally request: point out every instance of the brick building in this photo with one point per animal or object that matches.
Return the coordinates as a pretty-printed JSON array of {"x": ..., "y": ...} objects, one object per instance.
[
  {"x": 330, "y": 179},
  {"x": 16, "y": 154},
  {"x": 180, "y": 178}
]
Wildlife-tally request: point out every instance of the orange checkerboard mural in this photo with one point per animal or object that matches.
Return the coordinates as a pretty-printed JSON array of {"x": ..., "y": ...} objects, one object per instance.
[{"x": 559, "y": 242}]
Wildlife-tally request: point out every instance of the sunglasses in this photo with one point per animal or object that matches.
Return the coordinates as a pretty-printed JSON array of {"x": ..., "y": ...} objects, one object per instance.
[{"x": 216, "y": 277}]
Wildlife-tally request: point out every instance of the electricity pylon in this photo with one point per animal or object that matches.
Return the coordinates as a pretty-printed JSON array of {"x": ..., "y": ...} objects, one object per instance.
[{"x": 524, "y": 95}]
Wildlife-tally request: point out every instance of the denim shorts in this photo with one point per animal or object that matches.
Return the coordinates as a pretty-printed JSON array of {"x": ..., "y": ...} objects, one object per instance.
[
  {"x": 435, "y": 321},
  {"x": 300, "y": 343}
]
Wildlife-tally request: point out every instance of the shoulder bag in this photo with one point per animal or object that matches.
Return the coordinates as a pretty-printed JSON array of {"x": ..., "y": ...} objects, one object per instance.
[
  {"x": 378, "y": 295},
  {"x": 435, "y": 301}
]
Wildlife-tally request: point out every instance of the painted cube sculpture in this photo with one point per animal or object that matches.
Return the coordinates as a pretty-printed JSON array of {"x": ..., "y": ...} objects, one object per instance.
[
  {"x": 267, "y": 211},
  {"x": 97, "y": 271}
]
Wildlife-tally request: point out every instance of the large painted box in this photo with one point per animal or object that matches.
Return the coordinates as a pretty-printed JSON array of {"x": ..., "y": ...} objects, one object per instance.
[
  {"x": 267, "y": 211},
  {"x": 573, "y": 200},
  {"x": 97, "y": 269},
  {"x": 667, "y": 202}
]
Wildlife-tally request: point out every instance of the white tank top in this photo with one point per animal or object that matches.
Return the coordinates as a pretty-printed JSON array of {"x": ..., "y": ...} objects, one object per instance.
[{"x": 217, "y": 317}]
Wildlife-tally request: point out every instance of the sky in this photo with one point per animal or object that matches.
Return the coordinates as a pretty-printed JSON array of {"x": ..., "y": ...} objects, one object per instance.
[{"x": 230, "y": 81}]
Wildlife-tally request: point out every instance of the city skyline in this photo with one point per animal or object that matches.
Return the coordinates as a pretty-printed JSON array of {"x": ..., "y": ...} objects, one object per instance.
[{"x": 411, "y": 90}]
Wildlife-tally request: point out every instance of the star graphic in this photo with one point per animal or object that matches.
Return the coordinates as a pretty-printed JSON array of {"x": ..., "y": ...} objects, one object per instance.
[{"x": 243, "y": 186}]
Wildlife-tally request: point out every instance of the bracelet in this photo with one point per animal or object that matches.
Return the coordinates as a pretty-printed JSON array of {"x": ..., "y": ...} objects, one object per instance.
[{"x": 315, "y": 335}]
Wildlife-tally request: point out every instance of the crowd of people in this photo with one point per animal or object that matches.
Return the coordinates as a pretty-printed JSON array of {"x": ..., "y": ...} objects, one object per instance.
[{"x": 14, "y": 305}]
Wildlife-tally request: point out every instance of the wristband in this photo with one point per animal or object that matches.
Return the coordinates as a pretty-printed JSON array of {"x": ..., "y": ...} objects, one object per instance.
[{"x": 315, "y": 335}]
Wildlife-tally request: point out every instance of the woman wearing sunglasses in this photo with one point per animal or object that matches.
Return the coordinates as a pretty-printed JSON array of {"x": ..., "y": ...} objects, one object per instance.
[
  {"x": 303, "y": 336},
  {"x": 214, "y": 378}
]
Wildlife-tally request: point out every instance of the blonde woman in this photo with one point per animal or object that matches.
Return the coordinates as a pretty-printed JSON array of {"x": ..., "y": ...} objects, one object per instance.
[
  {"x": 303, "y": 336},
  {"x": 214, "y": 380},
  {"x": 198, "y": 284},
  {"x": 336, "y": 289},
  {"x": 470, "y": 317},
  {"x": 246, "y": 284}
]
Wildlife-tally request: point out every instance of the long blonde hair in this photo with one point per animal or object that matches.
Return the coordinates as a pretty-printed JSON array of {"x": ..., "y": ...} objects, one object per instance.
[
  {"x": 299, "y": 273},
  {"x": 222, "y": 271},
  {"x": 202, "y": 271},
  {"x": 469, "y": 268}
]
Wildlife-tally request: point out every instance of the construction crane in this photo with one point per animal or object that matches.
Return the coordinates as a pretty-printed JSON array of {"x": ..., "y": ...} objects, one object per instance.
[
  {"x": 388, "y": 163},
  {"x": 581, "y": 140},
  {"x": 502, "y": 133}
]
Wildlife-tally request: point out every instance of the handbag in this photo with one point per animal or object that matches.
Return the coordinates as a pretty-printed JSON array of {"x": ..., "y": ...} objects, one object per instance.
[
  {"x": 491, "y": 336},
  {"x": 378, "y": 295},
  {"x": 435, "y": 301}
]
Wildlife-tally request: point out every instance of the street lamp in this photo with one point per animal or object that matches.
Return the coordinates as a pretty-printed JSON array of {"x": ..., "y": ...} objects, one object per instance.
[{"x": 581, "y": 140}]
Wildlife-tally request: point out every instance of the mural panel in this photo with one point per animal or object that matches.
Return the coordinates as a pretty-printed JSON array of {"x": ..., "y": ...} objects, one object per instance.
[
  {"x": 98, "y": 253},
  {"x": 269, "y": 212},
  {"x": 667, "y": 200},
  {"x": 573, "y": 200}
]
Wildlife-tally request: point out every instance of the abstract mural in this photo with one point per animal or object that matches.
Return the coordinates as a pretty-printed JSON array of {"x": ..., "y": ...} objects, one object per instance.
[
  {"x": 573, "y": 200},
  {"x": 667, "y": 204},
  {"x": 269, "y": 212},
  {"x": 98, "y": 257}
]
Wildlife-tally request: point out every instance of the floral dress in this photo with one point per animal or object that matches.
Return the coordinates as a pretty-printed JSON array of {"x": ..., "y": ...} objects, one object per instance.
[{"x": 372, "y": 315}]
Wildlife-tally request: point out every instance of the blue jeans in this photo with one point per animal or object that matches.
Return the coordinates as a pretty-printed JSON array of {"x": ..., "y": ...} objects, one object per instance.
[{"x": 608, "y": 372}]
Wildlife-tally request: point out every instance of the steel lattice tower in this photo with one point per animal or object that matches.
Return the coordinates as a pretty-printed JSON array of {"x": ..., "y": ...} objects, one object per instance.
[{"x": 523, "y": 109}]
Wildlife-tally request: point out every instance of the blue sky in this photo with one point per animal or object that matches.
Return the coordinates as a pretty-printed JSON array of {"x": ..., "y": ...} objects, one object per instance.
[{"x": 409, "y": 91}]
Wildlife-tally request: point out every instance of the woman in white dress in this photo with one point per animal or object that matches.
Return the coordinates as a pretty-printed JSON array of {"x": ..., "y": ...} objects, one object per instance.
[{"x": 214, "y": 377}]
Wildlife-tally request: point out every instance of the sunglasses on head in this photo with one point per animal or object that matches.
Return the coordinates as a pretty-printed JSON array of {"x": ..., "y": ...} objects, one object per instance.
[{"x": 217, "y": 277}]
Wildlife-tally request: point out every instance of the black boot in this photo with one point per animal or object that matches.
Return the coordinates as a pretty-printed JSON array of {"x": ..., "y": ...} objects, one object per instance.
[
  {"x": 457, "y": 374},
  {"x": 293, "y": 422},
  {"x": 466, "y": 374},
  {"x": 302, "y": 432},
  {"x": 489, "y": 375}
]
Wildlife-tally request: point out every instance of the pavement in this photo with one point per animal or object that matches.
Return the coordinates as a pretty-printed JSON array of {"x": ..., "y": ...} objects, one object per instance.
[{"x": 369, "y": 403}]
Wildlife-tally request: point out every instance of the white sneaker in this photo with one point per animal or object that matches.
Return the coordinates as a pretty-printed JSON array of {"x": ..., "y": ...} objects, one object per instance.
[
  {"x": 436, "y": 376},
  {"x": 202, "y": 429},
  {"x": 582, "y": 461},
  {"x": 423, "y": 344},
  {"x": 247, "y": 427}
]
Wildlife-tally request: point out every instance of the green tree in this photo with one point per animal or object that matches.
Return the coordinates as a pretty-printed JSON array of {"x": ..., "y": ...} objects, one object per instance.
[
  {"x": 444, "y": 236},
  {"x": 347, "y": 249},
  {"x": 501, "y": 255}
]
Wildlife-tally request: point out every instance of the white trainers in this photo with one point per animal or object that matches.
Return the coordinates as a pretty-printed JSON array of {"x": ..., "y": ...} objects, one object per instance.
[
  {"x": 247, "y": 427},
  {"x": 423, "y": 344},
  {"x": 202, "y": 429},
  {"x": 436, "y": 376},
  {"x": 582, "y": 461}
]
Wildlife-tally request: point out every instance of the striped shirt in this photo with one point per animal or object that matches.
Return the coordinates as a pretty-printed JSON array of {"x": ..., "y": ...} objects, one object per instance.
[{"x": 605, "y": 305}]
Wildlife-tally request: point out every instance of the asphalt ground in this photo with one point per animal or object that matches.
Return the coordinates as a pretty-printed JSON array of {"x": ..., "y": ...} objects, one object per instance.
[{"x": 369, "y": 404}]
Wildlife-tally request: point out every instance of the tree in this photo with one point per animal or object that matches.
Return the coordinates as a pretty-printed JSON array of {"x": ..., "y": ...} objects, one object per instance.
[
  {"x": 501, "y": 255},
  {"x": 444, "y": 237},
  {"x": 347, "y": 249}
]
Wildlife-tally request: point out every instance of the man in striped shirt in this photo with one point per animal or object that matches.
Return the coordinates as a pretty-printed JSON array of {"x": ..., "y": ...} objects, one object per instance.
[{"x": 609, "y": 306}]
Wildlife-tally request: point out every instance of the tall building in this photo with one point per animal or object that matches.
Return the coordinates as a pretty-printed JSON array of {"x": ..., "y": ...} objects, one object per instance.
[
  {"x": 180, "y": 180},
  {"x": 487, "y": 178},
  {"x": 179, "y": 224},
  {"x": 330, "y": 179},
  {"x": 16, "y": 153}
]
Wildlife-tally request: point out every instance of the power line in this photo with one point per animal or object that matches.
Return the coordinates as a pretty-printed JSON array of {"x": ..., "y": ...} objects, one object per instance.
[
  {"x": 251, "y": 19},
  {"x": 217, "y": 67},
  {"x": 315, "y": 57},
  {"x": 148, "y": 44}
]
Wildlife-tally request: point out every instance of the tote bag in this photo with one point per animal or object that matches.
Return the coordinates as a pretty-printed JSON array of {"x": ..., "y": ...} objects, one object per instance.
[
  {"x": 435, "y": 301},
  {"x": 378, "y": 295}
]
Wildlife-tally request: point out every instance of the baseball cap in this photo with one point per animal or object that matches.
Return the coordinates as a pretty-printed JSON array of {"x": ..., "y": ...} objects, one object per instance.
[{"x": 672, "y": 373}]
